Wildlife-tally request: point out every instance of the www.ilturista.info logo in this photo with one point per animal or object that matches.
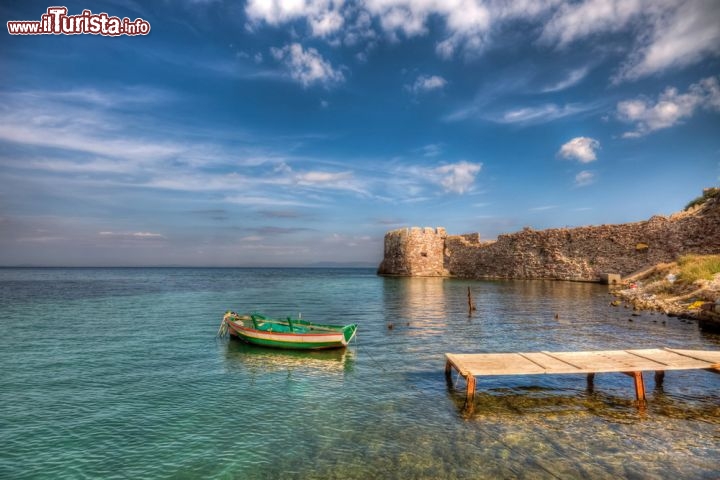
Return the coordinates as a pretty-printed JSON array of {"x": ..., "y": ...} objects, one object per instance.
[{"x": 57, "y": 22}]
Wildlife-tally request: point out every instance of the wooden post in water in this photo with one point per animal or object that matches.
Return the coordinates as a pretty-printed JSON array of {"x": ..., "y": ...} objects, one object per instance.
[
  {"x": 639, "y": 386},
  {"x": 471, "y": 304},
  {"x": 590, "y": 382},
  {"x": 470, "y": 394}
]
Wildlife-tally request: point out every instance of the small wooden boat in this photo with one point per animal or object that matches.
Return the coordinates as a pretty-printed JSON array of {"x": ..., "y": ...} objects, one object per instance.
[{"x": 288, "y": 333}]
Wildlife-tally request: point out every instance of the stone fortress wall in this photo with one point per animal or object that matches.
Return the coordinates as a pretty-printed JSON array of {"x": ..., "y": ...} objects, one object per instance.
[{"x": 582, "y": 253}]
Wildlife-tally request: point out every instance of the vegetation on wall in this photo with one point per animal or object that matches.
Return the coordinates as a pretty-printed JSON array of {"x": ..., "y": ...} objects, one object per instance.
[{"x": 708, "y": 193}]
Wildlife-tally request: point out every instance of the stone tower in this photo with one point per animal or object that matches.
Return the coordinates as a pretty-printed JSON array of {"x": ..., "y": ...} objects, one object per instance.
[{"x": 414, "y": 252}]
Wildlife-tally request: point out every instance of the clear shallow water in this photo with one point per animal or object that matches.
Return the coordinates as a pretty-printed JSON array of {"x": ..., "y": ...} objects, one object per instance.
[{"x": 116, "y": 373}]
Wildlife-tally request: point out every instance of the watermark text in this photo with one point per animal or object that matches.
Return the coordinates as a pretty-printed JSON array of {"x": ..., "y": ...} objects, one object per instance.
[{"x": 56, "y": 21}]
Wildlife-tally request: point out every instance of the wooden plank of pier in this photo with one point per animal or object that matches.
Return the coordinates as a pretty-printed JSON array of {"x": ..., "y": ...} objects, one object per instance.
[{"x": 629, "y": 362}]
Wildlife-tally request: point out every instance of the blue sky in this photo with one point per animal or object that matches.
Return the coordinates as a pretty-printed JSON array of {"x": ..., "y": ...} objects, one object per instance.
[{"x": 287, "y": 133}]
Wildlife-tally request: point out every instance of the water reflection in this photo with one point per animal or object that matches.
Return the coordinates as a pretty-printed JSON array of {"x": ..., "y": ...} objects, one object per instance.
[
  {"x": 417, "y": 298},
  {"x": 259, "y": 360},
  {"x": 525, "y": 316},
  {"x": 419, "y": 306}
]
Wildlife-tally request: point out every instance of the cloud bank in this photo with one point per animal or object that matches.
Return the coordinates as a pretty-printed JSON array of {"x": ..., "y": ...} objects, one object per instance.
[
  {"x": 671, "y": 107},
  {"x": 663, "y": 34}
]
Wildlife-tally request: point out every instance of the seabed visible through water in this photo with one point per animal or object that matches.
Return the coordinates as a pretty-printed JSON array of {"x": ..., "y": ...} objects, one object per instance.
[{"x": 117, "y": 373}]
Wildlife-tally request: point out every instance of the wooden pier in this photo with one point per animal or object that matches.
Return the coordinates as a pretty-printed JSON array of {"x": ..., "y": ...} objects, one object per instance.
[{"x": 629, "y": 362}]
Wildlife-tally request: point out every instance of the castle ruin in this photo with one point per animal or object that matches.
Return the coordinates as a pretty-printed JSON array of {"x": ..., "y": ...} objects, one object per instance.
[{"x": 582, "y": 254}]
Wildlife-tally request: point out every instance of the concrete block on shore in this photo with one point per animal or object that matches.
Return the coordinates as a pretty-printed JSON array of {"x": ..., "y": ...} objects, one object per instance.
[{"x": 610, "y": 278}]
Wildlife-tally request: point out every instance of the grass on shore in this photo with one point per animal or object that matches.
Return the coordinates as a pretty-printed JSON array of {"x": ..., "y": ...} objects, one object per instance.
[{"x": 698, "y": 267}]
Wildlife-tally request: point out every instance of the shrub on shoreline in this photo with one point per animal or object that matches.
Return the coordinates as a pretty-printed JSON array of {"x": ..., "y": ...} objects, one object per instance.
[{"x": 698, "y": 267}]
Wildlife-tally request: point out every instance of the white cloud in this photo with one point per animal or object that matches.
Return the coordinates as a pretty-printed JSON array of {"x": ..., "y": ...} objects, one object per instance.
[
  {"x": 538, "y": 114},
  {"x": 463, "y": 113},
  {"x": 79, "y": 166},
  {"x": 326, "y": 23},
  {"x": 581, "y": 149},
  {"x": 74, "y": 139},
  {"x": 61, "y": 120},
  {"x": 446, "y": 48},
  {"x": 482, "y": 107},
  {"x": 578, "y": 20},
  {"x": 403, "y": 18},
  {"x": 457, "y": 177},
  {"x": 670, "y": 108},
  {"x": 322, "y": 16},
  {"x": 307, "y": 66},
  {"x": 573, "y": 78},
  {"x": 431, "y": 150},
  {"x": 78, "y": 150},
  {"x": 266, "y": 201},
  {"x": 663, "y": 34},
  {"x": 467, "y": 22},
  {"x": 667, "y": 33},
  {"x": 584, "y": 178},
  {"x": 677, "y": 38},
  {"x": 121, "y": 97},
  {"x": 427, "y": 83},
  {"x": 417, "y": 183},
  {"x": 320, "y": 178},
  {"x": 132, "y": 235}
]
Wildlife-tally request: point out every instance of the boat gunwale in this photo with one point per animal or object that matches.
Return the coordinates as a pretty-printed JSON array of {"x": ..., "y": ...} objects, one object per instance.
[{"x": 291, "y": 334}]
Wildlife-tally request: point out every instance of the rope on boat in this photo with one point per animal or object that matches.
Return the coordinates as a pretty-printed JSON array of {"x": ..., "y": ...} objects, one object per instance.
[{"x": 223, "y": 330}]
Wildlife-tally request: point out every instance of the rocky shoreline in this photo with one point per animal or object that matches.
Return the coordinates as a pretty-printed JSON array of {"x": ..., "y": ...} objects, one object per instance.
[{"x": 659, "y": 289}]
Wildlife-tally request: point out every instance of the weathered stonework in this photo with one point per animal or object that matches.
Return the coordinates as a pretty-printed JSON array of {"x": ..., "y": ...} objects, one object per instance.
[
  {"x": 414, "y": 252},
  {"x": 583, "y": 253}
]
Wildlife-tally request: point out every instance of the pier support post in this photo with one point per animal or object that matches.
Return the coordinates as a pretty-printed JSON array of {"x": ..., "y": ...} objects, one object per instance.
[
  {"x": 448, "y": 371},
  {"x": 639, "y": 386},
  {"x": 659, "y": 378},
  {"x": 470, "y": 390}
]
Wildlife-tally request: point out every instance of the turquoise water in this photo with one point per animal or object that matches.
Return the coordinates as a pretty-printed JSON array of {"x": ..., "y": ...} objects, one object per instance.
[{"x": 116, "y": 373}]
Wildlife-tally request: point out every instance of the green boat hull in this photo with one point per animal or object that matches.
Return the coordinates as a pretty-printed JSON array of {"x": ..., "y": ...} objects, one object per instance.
[{"x": 288, "y": 334}]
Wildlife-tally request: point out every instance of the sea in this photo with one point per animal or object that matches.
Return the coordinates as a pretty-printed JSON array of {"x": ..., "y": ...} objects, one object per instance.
[{"x": 117, "y": 373}]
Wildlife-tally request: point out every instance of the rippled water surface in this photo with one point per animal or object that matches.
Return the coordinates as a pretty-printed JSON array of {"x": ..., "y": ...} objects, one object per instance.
[{"x": 116, "y": 373}]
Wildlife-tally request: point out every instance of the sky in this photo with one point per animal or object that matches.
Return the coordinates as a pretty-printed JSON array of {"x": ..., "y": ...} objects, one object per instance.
[{"x": 298, "y": 132}]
